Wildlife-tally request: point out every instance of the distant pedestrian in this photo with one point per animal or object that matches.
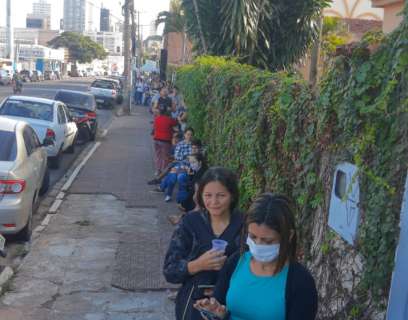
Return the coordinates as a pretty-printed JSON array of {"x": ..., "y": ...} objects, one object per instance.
[
  {"x": 190, "y": 259},
  {"x": 162, "y": 134},
  {"x": 139, "y": 88},
  {"x": 164, "y": 102},
  {"x": 265, "y": 282}
]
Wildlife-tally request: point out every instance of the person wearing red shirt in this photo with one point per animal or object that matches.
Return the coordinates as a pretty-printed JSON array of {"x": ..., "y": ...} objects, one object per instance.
[{"x": 163, "y": 133}]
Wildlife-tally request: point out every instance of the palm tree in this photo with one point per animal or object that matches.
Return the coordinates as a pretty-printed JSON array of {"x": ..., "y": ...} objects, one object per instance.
[{"x": 270, "y": 34}]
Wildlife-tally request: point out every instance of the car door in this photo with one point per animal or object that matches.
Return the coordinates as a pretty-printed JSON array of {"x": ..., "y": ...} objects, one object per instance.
[
  {"x": 39, "y": 156},
  {"x": 31, "y": 168},
  {"x": 71, "y": 126},
  {"x": 62, "y": 136}
]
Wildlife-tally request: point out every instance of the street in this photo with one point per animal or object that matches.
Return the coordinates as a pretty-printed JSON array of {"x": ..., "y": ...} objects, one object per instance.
[{"x": 47, "y": 89}]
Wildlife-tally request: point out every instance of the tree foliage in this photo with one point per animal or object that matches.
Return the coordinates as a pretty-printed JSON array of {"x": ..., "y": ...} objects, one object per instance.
[
  {"x": 271, "y": 34},
  {"x": 173, "y": 20},
  {"x": 81, "y": 48}
]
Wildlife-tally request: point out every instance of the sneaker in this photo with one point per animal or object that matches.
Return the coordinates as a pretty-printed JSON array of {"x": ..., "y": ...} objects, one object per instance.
[
  {"x": 153, "y": 182},
  {"x": 167, "y": 199},
  {"x": 157, "y": 190}
]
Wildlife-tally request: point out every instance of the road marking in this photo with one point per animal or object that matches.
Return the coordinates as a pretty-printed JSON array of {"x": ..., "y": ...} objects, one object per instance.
[
  {"x": 74, "y": 174},
  {"x": 60, "y": 195},
  {"x": 46, "y": 220},
  {"x": 54, "y": 208}
]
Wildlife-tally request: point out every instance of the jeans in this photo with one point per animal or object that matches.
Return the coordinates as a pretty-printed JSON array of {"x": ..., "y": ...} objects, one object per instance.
[
  {"x": 184, "y": 187},
  {"x": 168, "y": 183},
  {"x": 138, "y": 97}
]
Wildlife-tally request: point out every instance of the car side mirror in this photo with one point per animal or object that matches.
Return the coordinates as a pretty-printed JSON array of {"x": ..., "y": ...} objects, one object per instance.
[{"x": 47, "y": 142}]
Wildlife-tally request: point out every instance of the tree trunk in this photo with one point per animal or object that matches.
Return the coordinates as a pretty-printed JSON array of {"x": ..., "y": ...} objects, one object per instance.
[
  {"x": 183, "y": 47},
  {"x": 314, "y": 58},
  {"x": 200, "y": 27}
]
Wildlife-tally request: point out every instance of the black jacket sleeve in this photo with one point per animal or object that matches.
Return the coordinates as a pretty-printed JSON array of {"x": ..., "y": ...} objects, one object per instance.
[
  {"x": 177, "y": 256},
  {"x": 224, "y": 277},
  {"x": 301, "y": 295}
]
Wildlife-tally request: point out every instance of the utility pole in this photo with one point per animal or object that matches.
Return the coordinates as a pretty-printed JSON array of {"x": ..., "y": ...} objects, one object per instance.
[
  {"x": 126, "y": 48},
  {"x": 10, "y": 34}
]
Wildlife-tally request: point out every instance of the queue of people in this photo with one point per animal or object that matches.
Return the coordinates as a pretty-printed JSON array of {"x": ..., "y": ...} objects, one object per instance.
[{"x": 229, "y": 263}]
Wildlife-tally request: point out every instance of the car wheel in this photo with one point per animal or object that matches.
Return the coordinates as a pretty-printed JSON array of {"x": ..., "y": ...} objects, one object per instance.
[
  {"x": 55, "y": 162},
  {"x": 84, "y": 135},
  {"x": 46, "y": 183},
  {"x": 92, "y": 136},
  {"x": 26, "y": 232}
]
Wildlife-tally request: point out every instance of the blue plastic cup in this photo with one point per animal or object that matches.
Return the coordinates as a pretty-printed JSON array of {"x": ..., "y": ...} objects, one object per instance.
[{"x": 219, "y": 245}]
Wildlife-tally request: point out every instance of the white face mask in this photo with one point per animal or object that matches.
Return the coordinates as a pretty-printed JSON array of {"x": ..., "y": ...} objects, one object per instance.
[{"x": 263, "y": 252}]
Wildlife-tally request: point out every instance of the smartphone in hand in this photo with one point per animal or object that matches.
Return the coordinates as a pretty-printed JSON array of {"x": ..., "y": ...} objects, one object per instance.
[{"x": 208, "y": 314}]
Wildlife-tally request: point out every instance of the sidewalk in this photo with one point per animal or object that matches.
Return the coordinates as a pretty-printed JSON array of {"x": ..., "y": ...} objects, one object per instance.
[{"x": 110, "y": 234}]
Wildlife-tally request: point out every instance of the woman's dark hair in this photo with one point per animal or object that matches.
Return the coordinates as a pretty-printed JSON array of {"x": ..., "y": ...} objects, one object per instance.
[
  {"x": 196, "y": 142},
  {"x": 275, "y": 212},
  {"x": 224, "y": 176}
]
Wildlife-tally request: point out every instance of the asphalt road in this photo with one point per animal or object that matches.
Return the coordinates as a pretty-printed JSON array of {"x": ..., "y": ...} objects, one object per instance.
[{"x": 47, "y": 89}]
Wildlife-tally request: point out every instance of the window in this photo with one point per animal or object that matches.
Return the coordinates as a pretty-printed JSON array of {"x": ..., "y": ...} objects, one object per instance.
[
  {"x": 8, "y": 146},
  {"x": 28, "y": 141},
  {"x": 67, "y": 114},
  {"x": 28, "y": 109},
  {"x": 34, "y": 138},
  {"x": 61, "y": 115}
]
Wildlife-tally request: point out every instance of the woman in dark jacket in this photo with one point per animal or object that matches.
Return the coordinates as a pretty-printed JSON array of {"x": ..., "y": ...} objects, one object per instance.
[
  {"x": 190, "y": 259},
  {"x": 265, "y": 282}
]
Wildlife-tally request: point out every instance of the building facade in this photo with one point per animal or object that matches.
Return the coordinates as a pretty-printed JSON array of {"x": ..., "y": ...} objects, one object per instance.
[
  {"x": 81, "y": 15},
  {"x": 105, "y": 20},
  {"x": 392, "y": 10},
  {"x": 38, "y": 22},
  {"x": 42, "y": 8},
  {"x": 111, "y": 41},
  {"x": 29, "y": 36}
]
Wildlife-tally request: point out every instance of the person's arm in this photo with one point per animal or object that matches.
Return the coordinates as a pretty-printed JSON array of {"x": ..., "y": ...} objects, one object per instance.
[
  {"x": 302, "y": 296},
  {"x": 175, "y": 268}
]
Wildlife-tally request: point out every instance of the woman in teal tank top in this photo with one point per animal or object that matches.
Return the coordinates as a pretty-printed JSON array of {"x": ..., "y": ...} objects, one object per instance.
[{"x": 265, "y": 282}]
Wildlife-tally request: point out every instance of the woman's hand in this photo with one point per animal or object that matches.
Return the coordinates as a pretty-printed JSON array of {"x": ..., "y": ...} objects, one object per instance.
[
  {"x": 209, "y": 261},
  {"x": 211, "y": 305}
]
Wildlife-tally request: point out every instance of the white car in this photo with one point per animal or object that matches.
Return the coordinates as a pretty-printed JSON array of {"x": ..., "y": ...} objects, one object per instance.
[
  {"x": 23, "y": 176},
  {"x": 49, "y": 118}
]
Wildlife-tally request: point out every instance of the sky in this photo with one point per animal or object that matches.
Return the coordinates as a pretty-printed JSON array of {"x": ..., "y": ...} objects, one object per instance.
[{"x": 149, "y": 10}]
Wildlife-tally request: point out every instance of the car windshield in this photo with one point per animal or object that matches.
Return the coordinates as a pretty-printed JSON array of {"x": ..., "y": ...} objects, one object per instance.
[
  {"x": 8, "y": 147},
  {"x": 28, "y": 109},
  {"x": 103, "y": 85},
  {"x": 78, "y": 100}
]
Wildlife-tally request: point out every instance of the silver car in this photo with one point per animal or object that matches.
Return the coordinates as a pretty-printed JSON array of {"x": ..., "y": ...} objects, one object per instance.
[{"x": 23, "y": 176}]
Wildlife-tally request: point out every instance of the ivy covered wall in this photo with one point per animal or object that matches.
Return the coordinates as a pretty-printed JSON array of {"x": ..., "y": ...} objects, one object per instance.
[{"x": 281, "y": 137}]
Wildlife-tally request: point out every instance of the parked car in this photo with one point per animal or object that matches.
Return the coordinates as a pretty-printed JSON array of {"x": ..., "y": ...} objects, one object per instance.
[
  {"x": 49, "y": 118},
  {"x": 105, "y": 92},
  {"x": 5, "y": 78},
  {"x": 82, "y": 106},
  {"x": 23, "y": 176}
]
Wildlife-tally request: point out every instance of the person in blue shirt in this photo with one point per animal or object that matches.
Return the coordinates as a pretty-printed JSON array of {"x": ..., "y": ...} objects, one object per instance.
[{"x": 265, "y": 282}]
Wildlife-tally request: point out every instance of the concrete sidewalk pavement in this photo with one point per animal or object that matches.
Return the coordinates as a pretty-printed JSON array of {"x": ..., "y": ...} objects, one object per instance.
[{"x": 110, "y": 234}]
